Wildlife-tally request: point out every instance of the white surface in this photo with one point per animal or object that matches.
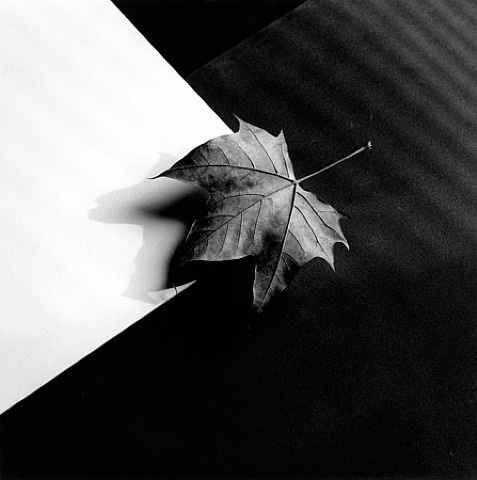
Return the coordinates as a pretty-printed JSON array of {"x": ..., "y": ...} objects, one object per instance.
[{"x": 87, "y": 108}]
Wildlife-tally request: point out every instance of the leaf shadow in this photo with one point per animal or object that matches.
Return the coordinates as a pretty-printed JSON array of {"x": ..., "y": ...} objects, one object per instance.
[{"x": 164, "y": 209}]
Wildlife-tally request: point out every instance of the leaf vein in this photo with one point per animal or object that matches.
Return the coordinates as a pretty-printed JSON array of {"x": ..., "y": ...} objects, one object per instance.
[
  {"x": 226, "y": 165},
  {"x": 317, "y": 212},
  {"x": 282, "y": 246},
  {"x": 264, "y": 149}
]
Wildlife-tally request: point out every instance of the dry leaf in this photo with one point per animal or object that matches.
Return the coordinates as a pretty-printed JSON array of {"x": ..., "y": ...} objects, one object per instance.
[{"x": 256, "y": 207}]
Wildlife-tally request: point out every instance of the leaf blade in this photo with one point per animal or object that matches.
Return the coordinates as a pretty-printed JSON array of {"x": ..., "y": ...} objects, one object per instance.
[{"x": 256, "y": 207}]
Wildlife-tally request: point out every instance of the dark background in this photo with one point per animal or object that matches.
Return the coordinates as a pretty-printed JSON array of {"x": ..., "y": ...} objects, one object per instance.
[
  {"x": 369, "y": 372},
  {"x": 191, "y": 33}
]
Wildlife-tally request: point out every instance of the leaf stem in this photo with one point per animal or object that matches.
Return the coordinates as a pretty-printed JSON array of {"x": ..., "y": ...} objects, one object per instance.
[{"x": 357, "y": 152}]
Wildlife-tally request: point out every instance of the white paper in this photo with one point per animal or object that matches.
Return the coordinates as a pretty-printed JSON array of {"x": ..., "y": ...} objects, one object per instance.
[{"x": 88, "y": 109}]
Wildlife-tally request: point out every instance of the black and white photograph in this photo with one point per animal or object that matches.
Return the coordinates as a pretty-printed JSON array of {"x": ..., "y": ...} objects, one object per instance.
[{"x": 239, "y": 239}]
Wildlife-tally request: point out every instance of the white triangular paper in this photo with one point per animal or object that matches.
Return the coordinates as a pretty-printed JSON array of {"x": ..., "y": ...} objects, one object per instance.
[{"x": 87, "y": 109}]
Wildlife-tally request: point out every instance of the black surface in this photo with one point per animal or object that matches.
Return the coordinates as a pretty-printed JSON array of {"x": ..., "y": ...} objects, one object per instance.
[
  {"x": 366, "y": 372},
  {"x": 390, "y": 342},
  {"x": 190, "y": 33}
]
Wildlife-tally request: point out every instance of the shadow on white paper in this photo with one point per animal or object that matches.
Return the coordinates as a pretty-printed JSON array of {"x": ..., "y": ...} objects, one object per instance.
[{"x": 164, "y": 209}]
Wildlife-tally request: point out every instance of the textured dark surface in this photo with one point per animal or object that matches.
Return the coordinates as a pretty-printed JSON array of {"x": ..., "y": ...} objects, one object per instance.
[
  {"x": 367, "y": 372},
  {"x": 190, "y": 33},
  {"x": 384, "y": 353}
]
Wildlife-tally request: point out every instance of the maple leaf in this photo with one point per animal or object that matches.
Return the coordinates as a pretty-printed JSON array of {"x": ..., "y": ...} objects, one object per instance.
[{"x": 256, "y": 207}]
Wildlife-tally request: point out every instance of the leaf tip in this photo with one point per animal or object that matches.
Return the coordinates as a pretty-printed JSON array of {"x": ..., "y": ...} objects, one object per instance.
[
  {"x": 162, "y": 174},
  {"x": 242, "y": 123}
]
